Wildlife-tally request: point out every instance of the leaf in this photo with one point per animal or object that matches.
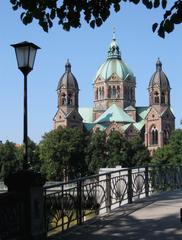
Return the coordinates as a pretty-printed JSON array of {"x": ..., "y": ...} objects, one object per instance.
[
  {"x": 167, "y": 14},
  {"x": 164, "y": 4},
  {"x": 53, "y": 14},
  {"x": 135, "y": 1},
  {"x": 15, "y": 7},
  {"x": 92, "y": 24},
  {"x": 66, "y": 26},
  {"x": 154, "y": 26},
  {"x": 176, "y": 18},
  {"x": 147, "y": 3},
  {"x": 44, "y": 25},
  {"x": 13, "y": 1},
  {"x": 116, "y": 7},
  {"x": 22, "y": 15},
  {"x": 98, "y": 22},
  {"x": 168, "y": 26},
  {"x": 161, "y": 32},
  {"x": 156, "y": 3}
]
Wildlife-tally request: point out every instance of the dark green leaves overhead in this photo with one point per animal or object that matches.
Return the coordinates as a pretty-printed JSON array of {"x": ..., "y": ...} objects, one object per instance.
[
  {"x": 69, "y": 13},
  {"x": 154, "y": 26},
  {"x": 164, "y": 3},
  {"x": 171, "y": 17},
  {"x": 156, "y": 3}
]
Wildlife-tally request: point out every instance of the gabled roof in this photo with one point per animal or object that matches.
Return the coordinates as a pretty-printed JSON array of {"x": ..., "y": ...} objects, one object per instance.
[
  {"x": 139, "y": 125},
  {"x": 74, "y": 112},
  {"x": 59, "y": 110},
  {"x": 130, "y": 108},
  {"x": 86, "y": 113},
  {"x": 169, "y": 110},
  {"x": 142, "y": 112},
  {"x": 129, "y": 126},
  {"x": 88, "y": 126},
  {"x": 114, "y": 114},
  {"x": 126, "y": 126}
]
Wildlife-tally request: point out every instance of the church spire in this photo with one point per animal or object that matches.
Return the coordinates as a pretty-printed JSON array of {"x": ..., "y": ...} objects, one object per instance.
[
  {"x": 114, "y": 51},
  {"x": 158, "y": 65},
  {"x": 68, "y": 66},
  {"x": 114, "y": 34}
]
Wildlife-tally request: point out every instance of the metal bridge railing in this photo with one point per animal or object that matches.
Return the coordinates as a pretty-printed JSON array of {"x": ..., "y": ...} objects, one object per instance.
[{"x": 74, "y": 202}]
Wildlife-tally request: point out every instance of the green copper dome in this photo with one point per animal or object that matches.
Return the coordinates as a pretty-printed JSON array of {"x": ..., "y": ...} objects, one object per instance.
[{"x": 114, "y": 64}]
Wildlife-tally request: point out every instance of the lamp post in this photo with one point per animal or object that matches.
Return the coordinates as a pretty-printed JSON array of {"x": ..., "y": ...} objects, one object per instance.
[{"x": 25, "y": 55}]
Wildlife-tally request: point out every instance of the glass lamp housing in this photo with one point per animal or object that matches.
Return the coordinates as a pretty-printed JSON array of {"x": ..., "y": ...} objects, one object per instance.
[{"x": 25, "y": 55}]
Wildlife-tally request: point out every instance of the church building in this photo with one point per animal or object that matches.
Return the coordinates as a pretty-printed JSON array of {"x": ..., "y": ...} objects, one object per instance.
[{"x": 114, "y": 104}]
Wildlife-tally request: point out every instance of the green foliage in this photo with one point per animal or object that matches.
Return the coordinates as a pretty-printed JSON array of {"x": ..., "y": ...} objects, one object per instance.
[
  {"x": 67, "y": 153},
  {"x": 171, "y": 153},
  {"x": 114, "y": 150},
  {"x": 11, "y": 157},
  {"x": 94, "y": 12},
  {"x": 62, "y": 154},
  {"x": 139, "y": 154},
  {"x": 9, "y": 160},
  {"x": 96, "y": 151},
  {"x": 118, "y": 150},
  {"x": 33, "y": 155}
]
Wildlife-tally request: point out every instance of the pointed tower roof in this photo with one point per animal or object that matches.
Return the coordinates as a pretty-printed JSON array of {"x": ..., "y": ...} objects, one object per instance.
[
  {"x": 68, "y": 80},
  {"x": 114, "y": 51},
  {"x": 159, "y": 78}
]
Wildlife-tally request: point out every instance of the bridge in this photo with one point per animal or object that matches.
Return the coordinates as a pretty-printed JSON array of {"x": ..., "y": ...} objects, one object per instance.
[
  {"x": 132, "y": 203},
  {"x": 156, "y": 217}
]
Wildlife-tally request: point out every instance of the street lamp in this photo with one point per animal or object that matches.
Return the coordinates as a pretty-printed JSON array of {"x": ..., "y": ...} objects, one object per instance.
[{"x": 25, "y": 55}]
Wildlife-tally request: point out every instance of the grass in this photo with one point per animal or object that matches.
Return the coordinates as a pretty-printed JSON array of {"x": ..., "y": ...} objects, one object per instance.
[{"x": 57, "y": 224}]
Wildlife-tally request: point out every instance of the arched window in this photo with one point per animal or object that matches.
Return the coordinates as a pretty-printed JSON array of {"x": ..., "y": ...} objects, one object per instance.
[
  {"x": 154, "y": 136},
  {"x": 99, "y": 93},
  {"x": 102, "y": 93},
  {"x": 156, "y": 97},
  {"x": 109, "y": 92},
  {"x": 96, "y": 94},
  {"x": 163, "y": 97},
  {"x": 114, "y": 92},
  {"x": 166, "y": 134},
  {"x": 118, "y": 92},
  {"x": 63, "y": 99},
  {"x": 70, "y": 100}
]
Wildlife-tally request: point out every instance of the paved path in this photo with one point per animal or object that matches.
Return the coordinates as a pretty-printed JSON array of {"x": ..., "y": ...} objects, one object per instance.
[{"x": 155, "y": 218}]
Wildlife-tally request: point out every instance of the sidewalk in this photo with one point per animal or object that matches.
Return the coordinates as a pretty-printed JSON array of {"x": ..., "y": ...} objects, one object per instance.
[{"x": 154, "y": 218}]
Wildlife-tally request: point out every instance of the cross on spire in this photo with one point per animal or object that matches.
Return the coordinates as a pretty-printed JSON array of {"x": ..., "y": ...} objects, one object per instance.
[{"x": 114, "y": 33}]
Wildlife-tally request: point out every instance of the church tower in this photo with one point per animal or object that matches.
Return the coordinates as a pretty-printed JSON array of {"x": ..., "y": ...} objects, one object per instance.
[
  {"x": 160, "y": 119},
  {"x": 114, "y": 83},
  {"x": 68, "y": 90},
  {"x": 159, "y": 88}
]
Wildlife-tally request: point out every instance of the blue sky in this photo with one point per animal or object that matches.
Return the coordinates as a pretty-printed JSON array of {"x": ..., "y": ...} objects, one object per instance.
[{"x": 87, "y": 50}]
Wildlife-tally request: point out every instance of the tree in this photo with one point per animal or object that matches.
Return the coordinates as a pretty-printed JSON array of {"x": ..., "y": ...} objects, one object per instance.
[
  {"x": 139, "y": 154},
  {"x": 69, "y": 12},
  {"x": 118, "y": 150},
  {"x": 96, "y": 157},
  {"x": 171, "y": 153},
  {"x": 33, "y": 155},
  {"x": 9, "y": 161},
  {"x": 62, "y": 154}
]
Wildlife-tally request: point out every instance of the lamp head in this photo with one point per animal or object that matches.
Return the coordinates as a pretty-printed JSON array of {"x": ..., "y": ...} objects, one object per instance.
[{"x": 25, "y": 55}]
